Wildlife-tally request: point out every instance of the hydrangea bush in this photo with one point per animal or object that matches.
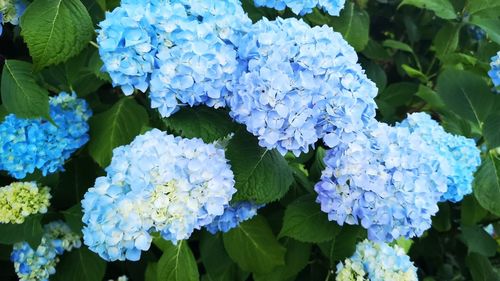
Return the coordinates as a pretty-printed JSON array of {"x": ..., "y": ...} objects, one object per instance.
[{"x": 282, "y": 140}]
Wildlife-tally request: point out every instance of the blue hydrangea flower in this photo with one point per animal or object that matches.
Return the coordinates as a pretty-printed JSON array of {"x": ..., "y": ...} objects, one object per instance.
[
  {"x": 157, "y": 183},
  {"x": 11, "y": 11},
  {"x": 198, "y": 59},
  {"x": 302, "y": 7},
  {"x": 233, "y": 215},
  {"x": 494, "y": 73},
  {"x": 29, "y": 144},
  {"x": 459, "y": 155},
  {"x": 374, "y": 261},
  {"x": 38, "y": 264},
  {"x": 300, "y": 84},
  {"x": 387, "y": 179}
]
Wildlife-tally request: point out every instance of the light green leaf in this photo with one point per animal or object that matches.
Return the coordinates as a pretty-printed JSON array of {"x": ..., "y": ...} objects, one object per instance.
[
  {"x": 490, "y": 25},
  {"x": 446, "y": 40},
  {"x": 398, "y": 45},
  {"x": 478, "y": 240},
  {"x": 30, "y": 230},
  {"x": 177, "y": 263},
  {"x": 443, "y": 8},
  {"x": 114, "y": 127},
  {"x": 201, "y": 122},
  {"x": 354, "y": 25},
  {"x": 55, "y": 30},
  {"x": 253, "y": 246},
  {"x": 21, "y": 94},
  {"x": 414, "y": 73},
  {"x": 466, "y": 94},
  {"x": 304, "y": 221},
  {"x": 261, "y": 175},
  {"x": 487, "y": 184},
  {"x": 479, "y": 6},
  {"x": 80, "y": 265}
]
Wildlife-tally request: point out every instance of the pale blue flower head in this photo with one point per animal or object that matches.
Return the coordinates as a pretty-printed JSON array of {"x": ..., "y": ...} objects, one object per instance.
[
  {"x": 157, "y": 183},
  {"x": 29, "y": 144},
  {"x": 459, "y": 156},
  {"x": 197, "y": 60},
  {"x": 374, "y": 261},
  {"x": 300, "y": 84},
  {"x": 494, "y": 72},
  {"x": 234, "y": 214},
  {"x": 387, "y": 179},
  {"x": 302, "y": 7},
  {"x": 38, "y": 264}
]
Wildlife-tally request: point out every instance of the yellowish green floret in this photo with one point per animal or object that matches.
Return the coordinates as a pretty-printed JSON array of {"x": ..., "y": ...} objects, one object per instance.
[{"x": 21, "y": 199}]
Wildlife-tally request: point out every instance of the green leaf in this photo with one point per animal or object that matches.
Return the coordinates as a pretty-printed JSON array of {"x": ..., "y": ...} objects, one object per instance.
[
  {"x": 73, "y": 217},
  {"x": 479, "y": 6},
  {"x": 318, "y": 165},
  {"x": 30, "y": 230},
  {"x": 296, "y": 258},
  {"x": 150, "y": 274},
  {"x": 261, "y": 175},
  {"x": 354, "y": 25},
  {"x": 3, "y": 113},
  {"x": 397, "y": 45},
  {"x": 490, "y": 25},
  {"x": 466, "y": 94},
  {"x": 430, "y": 96},
  {"x": 415, "y": 73},
  {"x": 55, "y": 30},
  {"x": 21, "y": 94},
  {"x": 304, "y": 221},
  {"x": 375, "y": 51},
  {"x": 177, "y": 263},
  {"x": 478, "y": 240},
  {"x": 487, "y": 184},
  {"x": 446, "y": 40},
  {"x": 471, "y": 211},
  {"x": 491, "y": 131},
  {"x": 376, "y": 74},
  {"x": 443, "y": 8},
  {"x": 114, "y": 127},
  {"x": 480, "y": 268},
  {"x": 343, "y": 245},
  {"x": 216, "y": 261},
  {"x": 201, "y": 122},
  {"x": 253, "y": 246},
  {"x": 80, "y": 265},
  {"x": 442, "y": 220}
]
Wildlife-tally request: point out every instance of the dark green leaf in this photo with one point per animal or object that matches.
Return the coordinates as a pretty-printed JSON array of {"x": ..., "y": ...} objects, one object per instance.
[
  {"x": 73, "y": 217},
  {"x": 304, "y": 221},
  {"x": 479, "y": 6},
  {"x": 201, "y": 122},
  {"x": 443, "y": 8},
  {"x": 261, "y": 175},
  {"x": 430, "y": 96},
  {"x": 151, "y": 272},
  {"x": 55, "y": 30},
  {"x": 318, "y": 165},
  {"x": 21, "y": 94},
  {"x": 354, "y": 24},
  {"x": 80, "y": 265},
  {"x": 471, "y": 211},
  {"x": 343, "y": 245},
  {"x": 177, "y": 263},
  {"x": 446, "y": 40},
  {"x": 117, "y": 126},
  {"x": 487, "y": 184},
  {"x": 442, "y": 220},
  {"x": 490, "y": 26},
  {"x": 31, "y": 231},
  {"x": 253, "y": 246},
  {"x": 480, "y": 268},
  {"x": 478, "y": 241},
  {"x": 216, "y": 261},
  {"x": 491, "y": 130}
]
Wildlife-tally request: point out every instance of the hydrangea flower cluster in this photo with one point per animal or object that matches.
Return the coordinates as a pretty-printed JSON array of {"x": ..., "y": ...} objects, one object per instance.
[
  {"x": 21, "y": 199},
  {"x": 233, "y": 215},
  {"x": 301, "y": 84},
  {"x": 377, "y": 262},
  {"x": 302, "y": 7},
  {"x": 11, "y": 11},
  {"x": 460, "y": 155},
  {"x": 157, "y": 183},
  {"x": 182, "y": 50},
  {"x": 387, "y": 179},
  {"x": 29, "y": 144},
  {"x": 39, "y": 264},
  {"x": 494, "y": 73}
]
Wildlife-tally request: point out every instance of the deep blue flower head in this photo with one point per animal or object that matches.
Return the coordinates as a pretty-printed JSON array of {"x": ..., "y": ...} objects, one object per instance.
[
  {"x": 302, "y": 7},
  {"x": 459, "y": 156},
  {"x": 39, "y": 264},
  {"x": 29, "y": 144},
  {"x": 233, "y": 215},
  {"x": 157, "y": 183},
  {"x": 374, "y": 261},
  {"x": 494, "y": 73},
  {"x": 300, "y": 84},
  {"x": 387, "y": 179},
  {"x": 198, "y": 59}
]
